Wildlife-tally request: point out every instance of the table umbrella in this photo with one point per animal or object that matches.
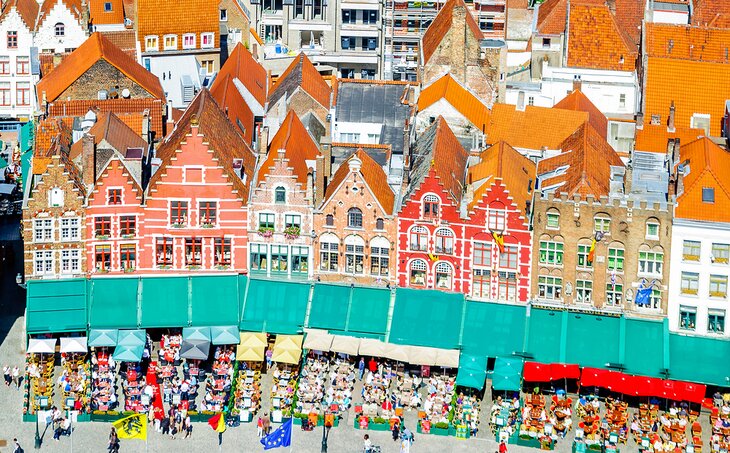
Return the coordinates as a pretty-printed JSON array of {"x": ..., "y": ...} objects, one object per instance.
[
  {"x": 195, "y": 349},
  {"x": 103, "y": 337}
]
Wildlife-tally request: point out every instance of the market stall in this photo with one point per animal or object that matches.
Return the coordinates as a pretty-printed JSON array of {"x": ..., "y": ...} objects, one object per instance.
[
  {"x": 40, "y": 361},
  {"x": 75, "y": 374},
  {"x": 286, "y": 354},
  {"x": 250, "y": 355},
  {"x": 104, "y": 376}
]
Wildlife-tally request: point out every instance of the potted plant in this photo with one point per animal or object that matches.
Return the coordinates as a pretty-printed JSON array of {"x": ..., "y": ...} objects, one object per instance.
[
  {"x": 292, "y": 232},
  {"x": 440, "y": 429},
  {"x": 266, "y": 232},
  {"x": 379, "y": 424}
]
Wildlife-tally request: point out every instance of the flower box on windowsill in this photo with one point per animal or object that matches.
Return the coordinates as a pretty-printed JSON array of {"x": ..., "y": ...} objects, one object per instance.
[
  {"x": 689, "y": 292},
  {"x": 102, "y": 237},
  {"x": 193, "y": 267},
  {"x": 717, "y": 294},
  {"x": 164, "y": 266},
  {"x": 128, "y": 270},
  {"x": 690, "y": 257},
  {"x": 102, "y": 271},
  {"x": 292, "y": 232},
  {"x": 177, "y": 225},
  {"x": 127, "y": 236},
  {"x": 266, "y": 232},
  {"x": 207, "y": 225},
  {"x": 223, "y": 267}
]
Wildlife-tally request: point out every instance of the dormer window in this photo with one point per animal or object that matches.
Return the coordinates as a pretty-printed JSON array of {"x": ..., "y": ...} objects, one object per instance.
[
  {"x": 171, "y": 42},
  {"x": 114, "y": 196},
  {"x": 60, "y": 30},
  {"x": 151, "y": 44},
  {"x": 189, "y": 41},
  {"x": 354, "y": 218},
  {"x": 207, "y": 40},
  {"x": 55, "y": 198},
  {"x": 708, "y": 194},
  {"x": 280, "y": 195},
  {"x": 108, "y": 7},
  {"x": 430, "y": 207}
]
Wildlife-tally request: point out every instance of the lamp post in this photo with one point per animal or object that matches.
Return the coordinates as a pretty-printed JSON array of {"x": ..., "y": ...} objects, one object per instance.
[
  {"x": 325, "y": 436},
  {"x": 37, "y": 441},
  {"x": 19, "y": 281}
]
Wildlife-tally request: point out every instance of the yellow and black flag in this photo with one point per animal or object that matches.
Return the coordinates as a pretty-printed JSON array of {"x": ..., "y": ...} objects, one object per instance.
[{"x": 132, "y": 427}]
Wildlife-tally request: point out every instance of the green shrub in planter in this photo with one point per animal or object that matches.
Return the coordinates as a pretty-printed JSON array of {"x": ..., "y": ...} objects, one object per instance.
[
  {"x": 379, "y": 420},
  {"x": 441, "y": 425}
]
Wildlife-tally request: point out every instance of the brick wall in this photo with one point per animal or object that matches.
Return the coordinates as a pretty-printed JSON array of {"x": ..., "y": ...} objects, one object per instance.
[{"x": 102, "y": 76}]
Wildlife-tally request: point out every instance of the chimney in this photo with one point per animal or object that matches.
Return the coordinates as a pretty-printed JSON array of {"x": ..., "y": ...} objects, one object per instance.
[
  {"x": 670, "y": 120},
  {"x": 281, "y": 153},
  {"x": 88, "y": 160},
  {"x": 263, "y": 140},
  {"x": 56, "y": 60},
  {"x": 146, "y": 125},
  {"x": 577, "y": 83},
  {"x": 85, "y": 15},
  {"x": 640, "y": 121},
  {"x": 310, "y": 185},
  {"x": 319, "y": 181},
  {"x": 325, "y": 147},
  {"x": 354, "y": 163},
  {"x": 611, "y": 6},
  {"x": 521, "y": 101}
]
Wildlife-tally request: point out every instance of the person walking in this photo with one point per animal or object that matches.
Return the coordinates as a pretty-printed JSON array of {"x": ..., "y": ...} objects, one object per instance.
[
  {"x": 113, "y": 441},
  {"x": 396, "y": 431},
  {"x": 18, "y": 448},
  {"x": 361, "y": 368},
  {"x": 16, "y": 376},
  {"x": 502, "y": 447},
  {"x": 266, "y": 424},
  {"x": 367, "y": 444},
  {"x": 260, "y": 427},
  {"x": 8, "y": 376},
  {"x": 188, "y": 426}
]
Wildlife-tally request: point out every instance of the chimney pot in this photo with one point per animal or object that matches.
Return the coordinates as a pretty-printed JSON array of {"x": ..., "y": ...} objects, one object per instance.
[
  {"x": 670, "y": 120},
  {"x": 88, "y": 160}
]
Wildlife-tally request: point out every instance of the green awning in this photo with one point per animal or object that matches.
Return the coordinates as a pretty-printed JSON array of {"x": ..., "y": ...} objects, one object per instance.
[
  {"x": 427, "y": 318},
  {"x": 56, "y": 306},
  {"x": 113, "y": 303},
  {"x": 506, "y": 324},
  {"x": 274, "y": 306},
  {"x": 330, "y": 304},
  {"x": 225, "y": 335},
  {"x": 699, "y": 359},
  {"x": 164, "y": 302},
  {"x": 215, "y": 300},
  {"x": 137, "y": 337},
  {"x": 507, "y": 374},
  {"x": 196, "y": 333},
  {"x": 472, "y": 371},
  {"x": 25, "y": 140},
  {"x": 103, "y": 337},
  {"x": 369, "y": 311},
  {"x": 592, "y": 341},
  {"x": 644, "y": 347},
  {"x": 545, "y": 335},
  {"x": 127, "y": 353}
]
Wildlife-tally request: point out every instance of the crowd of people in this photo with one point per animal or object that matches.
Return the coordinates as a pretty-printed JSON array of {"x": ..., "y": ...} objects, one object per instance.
[
  {"x": 282, "y": 388},
  {"x": 504, "y": 417},
  {"x": 375, "y": 390},
  {"x": 312, "y": 380},
  {"x": 218, "y": 384},
  {"x": 134, "y": 384},
  {"x": 40, "y": 374},
  {"x": 341, "y": 385},
  {"x": 466, "y": 412},
  {"x": 437, "y": 404},
  {"x": 406, "y": 391},
  {"x": 248, "y": 388},
  {"x": 103, "y": 378},
  {"x": 73, "y": 381}
]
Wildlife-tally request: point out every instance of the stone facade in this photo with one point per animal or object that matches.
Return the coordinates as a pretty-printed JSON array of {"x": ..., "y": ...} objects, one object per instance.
[
  {"x": 277, "y": 254},
  {"x": 103, "y": 76},
  {"x": 53, "y": 221},
  {"x": 633, "y": 253},
  {"x": 335, "y": 238}
]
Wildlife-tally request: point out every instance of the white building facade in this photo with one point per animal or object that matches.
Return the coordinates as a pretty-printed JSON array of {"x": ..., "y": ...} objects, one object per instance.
[
  {"x": 59, "y": 29},
  {"x": 17, "y": 83},
  {"x": 698, "y": 284}
]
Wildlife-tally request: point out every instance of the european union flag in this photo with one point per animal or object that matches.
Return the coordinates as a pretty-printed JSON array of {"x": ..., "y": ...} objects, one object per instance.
[
  {"x": 279, "y": 438},
  {"x": 642, "y": 297}
]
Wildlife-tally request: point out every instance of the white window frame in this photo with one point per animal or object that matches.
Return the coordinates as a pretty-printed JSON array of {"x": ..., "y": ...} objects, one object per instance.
[
  {"x": 151, "y": 43},
  {"x": 173, "y": 46},
  {"x": 71, "y": 226},
  {"x": 46, "y": 260},
  {"x": 188, "y": 36},
  {"x": 444, "y": 268},
  {"x": 43, "y": 230},
  {"x": 207, "y": 36},
  {"x": 70, "y": 261},
  {"x": 657, "y": 267},
  {"x": 650, "y": 223}
]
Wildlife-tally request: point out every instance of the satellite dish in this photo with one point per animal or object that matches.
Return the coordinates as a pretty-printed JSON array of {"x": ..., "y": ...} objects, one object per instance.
[{"x": 125, "y": 93}]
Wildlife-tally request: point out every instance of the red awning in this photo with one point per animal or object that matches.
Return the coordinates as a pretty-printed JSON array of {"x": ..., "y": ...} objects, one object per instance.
[
  {"x": 694, "y": 393},
  {"x": 597, "y": 377},
  {"x": 623, "y": 383},
  {"x": 564, "y": 371},
  {"x": 669, "y": 390},
  {"x": 536, "y": 372},
  {"x": 648, "y": 386}
]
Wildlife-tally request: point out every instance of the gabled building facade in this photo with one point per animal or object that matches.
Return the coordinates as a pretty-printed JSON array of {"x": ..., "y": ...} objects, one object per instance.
[
  {"x": 17, "y": 22},
  {"x": 62, "y": 26},
  {"x": 355, "y": 224},
  {"x": 281, "y": 230}
]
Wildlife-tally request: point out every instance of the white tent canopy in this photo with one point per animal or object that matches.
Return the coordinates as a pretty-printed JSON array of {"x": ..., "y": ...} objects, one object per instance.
[
  {"x": 448, "y": 358},
  {"x": 419, "y": 355},
  {"x": 372, "y": 347},
  {"x": 318, "y": 340},
  {"x": 397, "y": 352},
  {"x": 73, "y": 344},
  {"x": 42, "y": 345},
  {"x": 345, "y": 345}
]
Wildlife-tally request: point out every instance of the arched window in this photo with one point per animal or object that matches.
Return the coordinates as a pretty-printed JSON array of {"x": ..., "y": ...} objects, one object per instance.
[
  {"x": 379, "y": 224},
  {"x": 418, "y": 273},
  {"x": 354, "y": 254},
  {"x": 431, "y": 207},
  {"x": 330, "y": 220},
  {"x": 602, "y": 223},
  {"x": 60, "y": 29},
  {"x": 443, "y": 275},
  {"x": 419, "y": 239},
  {"x": 280, "y": 195},
  {"x": 354, "y": 218},
  {"x": 379, "y": 256},
  {"x": 652, "y": 229},
  {"x": 444, "y": 241},
  {"x": 329, "y": 246},
  {"x": 553, "y": 219}
]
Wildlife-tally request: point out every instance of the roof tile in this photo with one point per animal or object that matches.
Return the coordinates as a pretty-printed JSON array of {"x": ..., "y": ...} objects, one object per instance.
[
  {"x": 178, "y": 17},
  {"x": 654, "y": 138},
  {"x": 533, "y": 128},
  {"x": 579, "y": 102},
  {"x": 460, "y": 98},
  {"x": 241, "y": 65},
  {"x": 708, "y": 165},
  {"x": 114, "y": 131},
  {"x": 128, "y": 110},
  {"x": 298, "y": 146},
  {"x": 301, "y": 73},
  {"x": 100, "y": 15},
  {"x": 551, "y": 17},
  {"x": 374, "y": 177},
  {"x": 27, "y": 10}
]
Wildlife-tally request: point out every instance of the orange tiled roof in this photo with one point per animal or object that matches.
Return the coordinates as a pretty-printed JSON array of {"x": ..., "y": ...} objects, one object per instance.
[
  {"x": 708, "y": 164},
  {"x": 27, "y": 10},
  {"x": 629, "y": 17},
  {"x": 372, "y": 174},
  {"x": 695, "y": 78},
  {"x": 655, "y": 137},
  {"x": 177, "y": 17},
  {"x": 438, "y": 148},
  {"x": 534, "y": 127},
  {"x": 301, "y": 73},
  {"x": 714, "y": 13},
  {"x": 98, "y": 14},
  {"x": 551, "y": 17},
  {"x": 459, "y": 97},
  {"x": 114, "y": 131},
  {"x": 585, "y": 160},
  {"x": 128, "y": 110},
  {"x": 48, "y": 61},
  {"x": 580, "y": 103},
  {"x": 242, "y": 66},
  {"x": 95, "y": 48},
  {"x": 298, "y": 145},
  {"x": 125, "y": 40},
  {"x": 442, "y": 24},
  {"x": 226, "y": 94},
  {"x": 503, "y": 162},
  {"x": 222, "y": 138},
  {"x": 595, "y": 40}
]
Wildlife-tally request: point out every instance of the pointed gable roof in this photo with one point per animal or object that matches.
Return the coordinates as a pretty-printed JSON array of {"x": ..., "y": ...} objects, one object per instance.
[
  {"x": 242, "y": 66},
  {"x": 74, "y": 6},
  {"x": 584, "y": 165},
  {"x": 298, "y": 146},
  {"x": 579, "y": 102},
  {"x": 460, "y": 98},
  {"x": 517, "y": 172},
  {"x": 551, "y": 17},
  {"x": 708, "y": 166},
  {"x": 301, "y": 73},
  {"x": 372, "y": 173},
  {"x": 442, "y": 24},
  {"x": 534, "y": 127},
  {"x": 96, "y": 47},
  {"x": 27, "y": 10},
  {"x": 629, "y": 17},
  {"x": 221, "y": 137},
  {"x": 438, "y": 148},
  {"x": 110, "y": 128},
  {"x": 595, "y": 40},
  {"x": 712, "y": 13}
]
